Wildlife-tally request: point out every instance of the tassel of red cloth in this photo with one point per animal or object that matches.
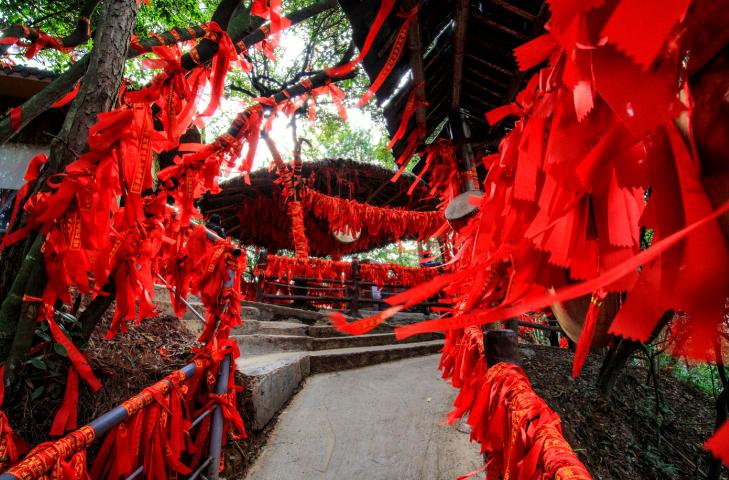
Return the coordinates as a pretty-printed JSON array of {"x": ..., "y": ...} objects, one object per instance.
[
  {"x": 588, "y": 330},
  {"x": 301, "y": 243},
  {"x": 520, "y": 434},
  {"x": 343, "y": 214},
  {"x": 78, "y": 360},
  {"x": 337, "y": 96},
  {"x": 225, "y": 55},
  {"x": 407, "y": 113},
  {"x": 65, "y": 418},
  {"x": 16, "y": 114},
  {"x": 12, "y": 447}
]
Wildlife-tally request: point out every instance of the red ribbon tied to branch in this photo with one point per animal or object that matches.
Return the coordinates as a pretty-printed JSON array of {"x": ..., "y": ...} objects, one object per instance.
[{"x": 397, "y": 48}]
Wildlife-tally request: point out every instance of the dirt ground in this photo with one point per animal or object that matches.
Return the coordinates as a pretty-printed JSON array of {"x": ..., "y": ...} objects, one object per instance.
[
  {"x": 125, "y": 365},
  {"x": 623, "y": 438}
]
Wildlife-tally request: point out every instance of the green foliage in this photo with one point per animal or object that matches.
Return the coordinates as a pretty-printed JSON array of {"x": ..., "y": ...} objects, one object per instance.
[
  {"x": 701, "y": 376},
  {"x": 393, "y": 253},
  {"x": 59, "y": 18},
  {"x": 654, "y": 458},
  {"x": 646, "y": 237},
  {"x": 331, "y": 138},
  {"x": 162, "y": 15}
]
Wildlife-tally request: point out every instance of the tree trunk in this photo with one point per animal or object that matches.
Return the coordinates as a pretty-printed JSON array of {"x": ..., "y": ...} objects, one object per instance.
[
  {"x": 613, "y": 365},
  {"x": 100, "y": 87},
  {"x": 615, "y": 360},
  {"x": 97, "y": 94}
]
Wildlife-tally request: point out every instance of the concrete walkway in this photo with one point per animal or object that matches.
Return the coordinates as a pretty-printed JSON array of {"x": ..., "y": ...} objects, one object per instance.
[{"x": 378, "y": 422}]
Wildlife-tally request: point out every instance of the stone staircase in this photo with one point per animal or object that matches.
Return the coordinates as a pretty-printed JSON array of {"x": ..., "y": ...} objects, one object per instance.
[
  {"x": 278, "y": 351},
  {"x": 277, "y": 356}
]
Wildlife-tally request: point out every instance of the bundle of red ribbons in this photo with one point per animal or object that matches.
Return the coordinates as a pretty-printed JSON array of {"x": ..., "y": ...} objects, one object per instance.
[
  {"x": 351, "y": 216},
  {"x": 92, "y": 236},
  {"x": 609, "y": 116},
  {"x": 330, "y": 270},
  {"x": 157, "y": 435},
  {"x": 520, "y": 434}
]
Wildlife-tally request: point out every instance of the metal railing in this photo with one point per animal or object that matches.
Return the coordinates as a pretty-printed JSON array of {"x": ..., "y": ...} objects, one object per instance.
[
  {"x": 42, "y": 461},
  {"x": 350, "y": 293}
]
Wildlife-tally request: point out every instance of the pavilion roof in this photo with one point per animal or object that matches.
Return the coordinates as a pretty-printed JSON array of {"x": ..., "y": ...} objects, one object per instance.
[
  {"x": 256, "y": 214},
  {"x": 471, "y": 69}
]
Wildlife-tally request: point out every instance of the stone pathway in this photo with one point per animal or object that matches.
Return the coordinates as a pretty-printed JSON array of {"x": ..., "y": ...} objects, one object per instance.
[{"x": 378, "y": 422}]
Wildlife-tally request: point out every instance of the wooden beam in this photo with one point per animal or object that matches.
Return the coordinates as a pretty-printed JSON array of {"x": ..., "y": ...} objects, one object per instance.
[
  {"x": 486, "y": 105},
  {"x": 490, "y": 65},
  {"x": 517, "y": 80},
  {"x": 489, "y": 48},
  {"x": 440, "y": 48},
  {"x": 488, "y": 79},
  {"x": 483, "y": 89},
  {"x": 514, "y": 9},
  {"x": 497, "y": 26},
  {"x": 459, "y": 50}
]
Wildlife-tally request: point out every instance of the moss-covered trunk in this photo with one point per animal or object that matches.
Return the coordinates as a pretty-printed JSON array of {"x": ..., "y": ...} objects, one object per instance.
[{"x": 97, "y": 94}]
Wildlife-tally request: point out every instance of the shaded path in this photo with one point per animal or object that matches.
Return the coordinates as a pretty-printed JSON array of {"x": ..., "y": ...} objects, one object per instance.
[{"x": 378, "y": 422}]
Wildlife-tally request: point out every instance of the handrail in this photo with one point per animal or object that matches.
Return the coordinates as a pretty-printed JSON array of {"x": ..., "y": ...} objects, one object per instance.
[
  {"x": 495, "y": 389},
  {"x": 216, "y": 431},
  {"x": 41, "y": 462},
  {"x": 38, "y": 464}
]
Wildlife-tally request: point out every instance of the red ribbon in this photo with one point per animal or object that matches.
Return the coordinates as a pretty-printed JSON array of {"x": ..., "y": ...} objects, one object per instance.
[
  {"x": 382, "y": 13},
  {"x": 15, "y": 117},
  {"x": 11, "y": 445},
  {"x": 395, "y": 52},
  {"x": 587, "y": 333},
  {"x": 79, "y": 361},
  {"x": 65, "y": 418}
]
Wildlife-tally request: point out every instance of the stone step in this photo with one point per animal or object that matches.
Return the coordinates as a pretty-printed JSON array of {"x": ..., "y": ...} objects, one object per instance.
[
  {"x": 250, "y": 327},
  {"x": 346, "y": 358},
  {"x": 398, "y": 318},
  {"x": 270, "y": 311},
  {"x": 261, "y": 344},
  {"x": 272, "y": 379},
  {"x": 368, "y": 340},
  {"x": 324, "y": 331}
]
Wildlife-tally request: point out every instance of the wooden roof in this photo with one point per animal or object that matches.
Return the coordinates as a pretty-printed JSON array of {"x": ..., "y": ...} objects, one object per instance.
[{"x": 464, "y": 49}]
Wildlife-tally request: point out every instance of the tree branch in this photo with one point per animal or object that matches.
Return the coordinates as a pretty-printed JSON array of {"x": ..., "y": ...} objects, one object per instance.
[
  {"x": 238, "y": 27},
  {"x": 80, "y": 34}
]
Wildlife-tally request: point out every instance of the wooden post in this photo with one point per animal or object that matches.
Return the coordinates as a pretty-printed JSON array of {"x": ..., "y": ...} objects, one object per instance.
[
  {"x": 261, "y": 279},
  {"x": 354, "y": 292},
  {"x": 512, "y": 324},
  {"x": 500, "y": 346}
]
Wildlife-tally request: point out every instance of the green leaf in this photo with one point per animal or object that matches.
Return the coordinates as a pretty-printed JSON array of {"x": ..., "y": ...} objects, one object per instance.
[
  {"x": 38, "y": 363},
  {"x": 37, "y": 392},
  {"x": 67, "y": 317},
  {"x": 60, "y": 349},
  {"x": 43, "y": 335}
]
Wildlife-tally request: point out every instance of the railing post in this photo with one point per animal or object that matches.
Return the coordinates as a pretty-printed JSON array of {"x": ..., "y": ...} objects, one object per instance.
[
  {"x": 216, "y": 428},
  {"x": 512, "y": 324},
  {"x": 354, "y": 295},
  {"x": 261, "y": 279},
  {"x": 500, "y": 345},
  {"x": 221, "y": 388}
]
